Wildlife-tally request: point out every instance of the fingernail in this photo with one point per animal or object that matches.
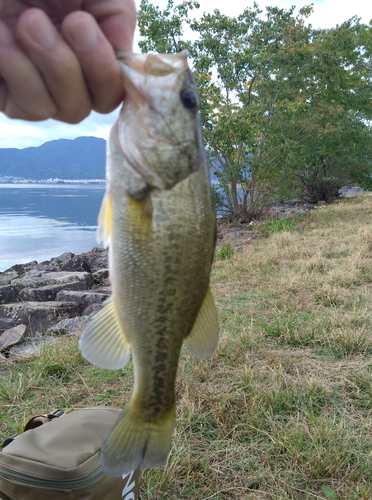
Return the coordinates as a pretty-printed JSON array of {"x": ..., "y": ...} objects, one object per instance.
[
  {"x": 84, "y": 36},
  {"x": 41, "y": 32}
]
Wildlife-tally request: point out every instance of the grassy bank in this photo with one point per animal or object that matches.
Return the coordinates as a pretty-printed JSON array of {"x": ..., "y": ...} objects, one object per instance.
[{"x": 283, "y": 410}]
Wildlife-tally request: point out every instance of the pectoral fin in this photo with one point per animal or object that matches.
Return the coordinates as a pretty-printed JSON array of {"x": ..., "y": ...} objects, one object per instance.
[
  {"x": 103, "y": 342},
  {"x": 203, "y": 339},
  {"x": 105, "y": 221}
]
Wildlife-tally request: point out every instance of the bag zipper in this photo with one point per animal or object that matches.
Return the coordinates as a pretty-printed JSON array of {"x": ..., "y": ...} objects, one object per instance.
[{"x": 95, "y": 476}]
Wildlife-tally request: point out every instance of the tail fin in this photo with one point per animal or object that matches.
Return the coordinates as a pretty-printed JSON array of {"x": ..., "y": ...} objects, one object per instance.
[{"x": 134, "y": 442}]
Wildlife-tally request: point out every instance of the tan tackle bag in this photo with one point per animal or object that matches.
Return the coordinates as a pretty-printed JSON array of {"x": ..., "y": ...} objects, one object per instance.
[{"x": 57, "y": 457}]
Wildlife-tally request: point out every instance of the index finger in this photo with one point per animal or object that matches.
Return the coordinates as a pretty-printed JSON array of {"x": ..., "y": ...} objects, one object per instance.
[{"x": 116, "y": 18}]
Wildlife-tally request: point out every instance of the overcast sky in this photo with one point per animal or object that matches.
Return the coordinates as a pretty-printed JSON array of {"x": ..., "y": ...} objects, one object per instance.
[{"x": 22, "y": 134}]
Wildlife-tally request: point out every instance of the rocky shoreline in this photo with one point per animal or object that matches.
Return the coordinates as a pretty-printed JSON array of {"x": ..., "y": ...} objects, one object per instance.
[
  {"x": 60, "y": 296},
  {"x": 51, "y": 298}
]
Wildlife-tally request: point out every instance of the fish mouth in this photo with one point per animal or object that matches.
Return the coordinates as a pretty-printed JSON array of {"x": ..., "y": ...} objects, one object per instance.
[
  {"x": 148, "y": 65},
  {"x": 153, "y": 64}
]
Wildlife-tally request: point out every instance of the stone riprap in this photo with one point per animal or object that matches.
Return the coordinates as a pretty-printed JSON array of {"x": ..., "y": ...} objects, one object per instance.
[{"x": 56, "y": 297}]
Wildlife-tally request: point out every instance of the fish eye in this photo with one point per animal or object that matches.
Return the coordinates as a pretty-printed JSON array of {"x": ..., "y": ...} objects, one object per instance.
[{"x": 189, "y": 99}]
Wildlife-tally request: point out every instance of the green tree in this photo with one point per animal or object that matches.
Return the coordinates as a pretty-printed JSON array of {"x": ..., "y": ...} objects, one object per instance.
[
  {"x": 336, "y": 141},
  {"x": 285, "y": 109}
]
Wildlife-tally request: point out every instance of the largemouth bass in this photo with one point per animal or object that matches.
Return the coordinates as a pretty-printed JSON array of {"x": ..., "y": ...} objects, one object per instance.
[{"x": 159, "y": 222}]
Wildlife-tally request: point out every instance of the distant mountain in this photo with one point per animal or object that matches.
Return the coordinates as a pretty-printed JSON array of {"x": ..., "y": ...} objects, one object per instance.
[{"x": 81, "y": 158}]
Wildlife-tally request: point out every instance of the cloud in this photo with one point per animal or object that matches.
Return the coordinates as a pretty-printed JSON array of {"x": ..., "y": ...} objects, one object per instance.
[{"x": 331, "y": 12}]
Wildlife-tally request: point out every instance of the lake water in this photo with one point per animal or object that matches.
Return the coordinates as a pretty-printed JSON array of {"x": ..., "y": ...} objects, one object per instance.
[{"x": 41, "y": 221}]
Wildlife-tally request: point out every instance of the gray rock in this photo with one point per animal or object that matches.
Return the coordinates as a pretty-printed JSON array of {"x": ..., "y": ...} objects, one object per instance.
[
  {"x": 8, "y": 294},
  {"x": 35, "y": 315},
  {"x": 48, "y": 292},
  {"x": 23, "y": 268},
  {"x": 4, "y": 365},
  {"x": 237, "y": 238},
  {"x": 18, "y": 269},
  {"x": 54, "y": 296},
  {"x": 106, "y": 284},
  {"x": 6, "y": 322},
  {"x": 92, "y": 310},
  {"x": 321, "y": 203},
  {"x": 97, "y": 258},
  {"x": 72, "y": 326},
  {"x": 69, "y": 262},
  {"x": 83, "y": 299},
  {"x": 26, "y": 350},
  {"x": 7, "y": 276},
  {"x": 100, "y": 276},
  {"x": 37, "y": 278},
  {"x": 12, "y": 337},
  {"x": 104, "y": 289},
  {"x": 30, "y": 265}
]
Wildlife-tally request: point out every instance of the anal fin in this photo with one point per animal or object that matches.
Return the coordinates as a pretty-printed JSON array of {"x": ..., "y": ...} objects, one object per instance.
[
  {"x": 103, "y": 342},
  {"x": 203, "y": 339}
]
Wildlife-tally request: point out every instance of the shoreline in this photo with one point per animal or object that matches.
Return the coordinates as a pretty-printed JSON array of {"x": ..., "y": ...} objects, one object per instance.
[{"x": 55, "y": 297}]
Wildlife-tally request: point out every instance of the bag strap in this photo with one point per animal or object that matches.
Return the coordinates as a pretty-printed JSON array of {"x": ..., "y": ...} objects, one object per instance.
[
  {"x": 39, "y": 420},
  {"x": 34, "y": 422}
]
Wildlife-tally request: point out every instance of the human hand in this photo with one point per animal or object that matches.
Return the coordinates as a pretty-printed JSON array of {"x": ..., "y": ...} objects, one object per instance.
[{"x": 57, "y": 58}]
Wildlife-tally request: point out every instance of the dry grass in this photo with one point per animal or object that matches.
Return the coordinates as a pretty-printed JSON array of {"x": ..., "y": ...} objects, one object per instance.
[{"x": 284, "y": 409}]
